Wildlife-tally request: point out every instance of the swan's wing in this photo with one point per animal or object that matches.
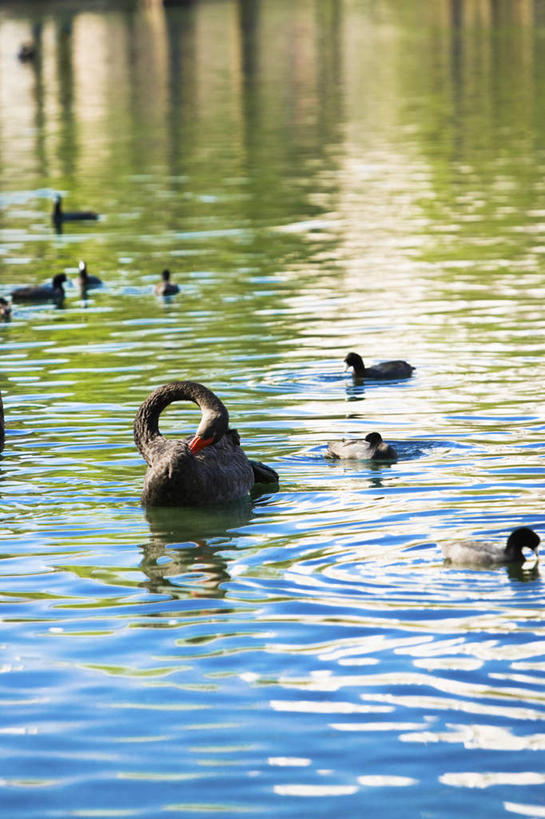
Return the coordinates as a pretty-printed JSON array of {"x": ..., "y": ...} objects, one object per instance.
[{"x": 263, "y": 473}]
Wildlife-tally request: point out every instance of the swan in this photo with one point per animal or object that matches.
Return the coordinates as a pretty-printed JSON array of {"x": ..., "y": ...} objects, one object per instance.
[
  {"x": 5, "y": 309},
  {"x": 165, "y": 287},
  {"x": 372, "y": 448},
  {"x": 59, "y": 215},
  {"x": 42, "y": 292},
  {"x": 209, "y": 467},
  {"x": 487, "y": 553},
  {"x": 385, "y": 370},
  {"x": 87, "y": 282}
]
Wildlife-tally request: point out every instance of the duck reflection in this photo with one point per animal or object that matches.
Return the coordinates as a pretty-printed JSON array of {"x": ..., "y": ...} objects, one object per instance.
[
  {"x": 523, "y": 572},
  {"x": 183, "y": 557}
]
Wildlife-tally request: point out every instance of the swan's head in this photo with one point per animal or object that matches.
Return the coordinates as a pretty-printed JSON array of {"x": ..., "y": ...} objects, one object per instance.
[
  {"x": 355, "y": 361},
  {"x": 209, "y": 432}
]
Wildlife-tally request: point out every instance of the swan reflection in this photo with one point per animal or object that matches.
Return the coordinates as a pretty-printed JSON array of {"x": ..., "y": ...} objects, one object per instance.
[{"x": 183, "y": 557}]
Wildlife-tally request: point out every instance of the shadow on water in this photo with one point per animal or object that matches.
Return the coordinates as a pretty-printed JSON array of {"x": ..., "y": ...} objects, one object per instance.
[{"x": 182, "y": 557}]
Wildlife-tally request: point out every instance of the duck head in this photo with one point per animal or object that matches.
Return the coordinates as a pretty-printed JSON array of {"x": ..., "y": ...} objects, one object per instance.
[{"x": 355, "y": 361}]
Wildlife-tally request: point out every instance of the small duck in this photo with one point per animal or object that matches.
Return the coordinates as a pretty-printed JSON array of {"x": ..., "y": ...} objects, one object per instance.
[
  {"x": 85, "y": 281},
  {"x": 387, "y": 370},
  {"x": 5, "y": 309},
  {"x": 371, "y": 448},
  {"x": 27, "y": 52},
  {"x": 487, "y": 553},
  {"x": 42, "y": 292},
  {"x": 165, "y": 287},
  {"x": 59, "y": 215}
]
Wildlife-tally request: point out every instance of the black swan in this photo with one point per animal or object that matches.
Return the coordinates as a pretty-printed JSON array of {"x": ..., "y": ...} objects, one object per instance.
[
  {"x": 42, "y": 292},
  {"x": 59, "y": 215},
  {"x": 371, "y": 448},
  {"x": 165, "y": 287},
  {"x": 486, "y": 553},
  {"x": 209, "y": 467},
  {"x": 5, "y": 309},
  {"x": 387, "y": 370},
  {"x": 85, "y": 280}
]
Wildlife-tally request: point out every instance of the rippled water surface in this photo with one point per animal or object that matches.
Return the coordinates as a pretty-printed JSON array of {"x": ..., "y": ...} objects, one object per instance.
[{"x": 319, "y": 177}]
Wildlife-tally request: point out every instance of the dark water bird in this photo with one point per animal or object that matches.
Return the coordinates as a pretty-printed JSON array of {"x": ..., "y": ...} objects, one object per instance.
[
  {"x": 85, "y": 280},
  {"x": 165, "y": 287},
  {"x": 209, "y": 467},
  {"x": 489, "y": 553},
  {"x": 386, "y": 370},
  {"x": 371, "y": 448},
  {"x": 59, "y": 215},
  {"x": 42, "y": 292},
  {"x": 27, "y": 52},
  {"x": 5, "y": 309}
]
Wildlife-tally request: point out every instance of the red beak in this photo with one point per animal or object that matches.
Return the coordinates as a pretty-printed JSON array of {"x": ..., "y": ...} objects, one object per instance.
[{"x": 197, "y": 443}]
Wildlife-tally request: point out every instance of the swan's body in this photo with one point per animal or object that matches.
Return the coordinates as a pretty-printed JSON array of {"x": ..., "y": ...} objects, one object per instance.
[
  {"x": 59, "y": 215},
  {"x": 85, "y": 280},
  {"x": 42, "y": 292},
  {"x": 209, "y": 467},
  {"x": 488, "y": 553},
  {"x": 371, "y": 448},
  {"x": 5, "y": 309},
  {"x": 386, "y": 370},
  {"x": 165, "y": 287}
]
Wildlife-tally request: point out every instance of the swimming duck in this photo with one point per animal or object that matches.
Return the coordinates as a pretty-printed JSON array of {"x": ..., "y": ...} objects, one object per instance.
[
  {"x": 208, "y": 467},
  {"x": 5, "y": 309},
  {"x": 85, "y": 281},
  {"x": 27, "y": 52},
  {"x": 165, "y": 287},
  {"x": 371, "y": 448},
  {"x": 385, "y": 370},
  {"x": 487, "y": 553},
  {"x": 59, "y": 215},
  {"x": 42, "y": 292}
]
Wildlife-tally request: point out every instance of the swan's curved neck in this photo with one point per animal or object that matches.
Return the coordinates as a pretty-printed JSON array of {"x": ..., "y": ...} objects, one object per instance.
[{"x": 146, "y": 423}]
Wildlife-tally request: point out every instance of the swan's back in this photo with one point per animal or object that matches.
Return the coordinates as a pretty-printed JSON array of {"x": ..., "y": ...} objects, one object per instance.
[{"x": 217, "y": 474}]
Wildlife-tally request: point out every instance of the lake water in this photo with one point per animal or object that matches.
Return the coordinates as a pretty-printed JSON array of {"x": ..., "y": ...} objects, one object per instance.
[{"x": 320, "y": 177}]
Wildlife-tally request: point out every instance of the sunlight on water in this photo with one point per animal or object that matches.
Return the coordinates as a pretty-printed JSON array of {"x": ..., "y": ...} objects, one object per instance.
[{"x": 319, "y": 177}]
